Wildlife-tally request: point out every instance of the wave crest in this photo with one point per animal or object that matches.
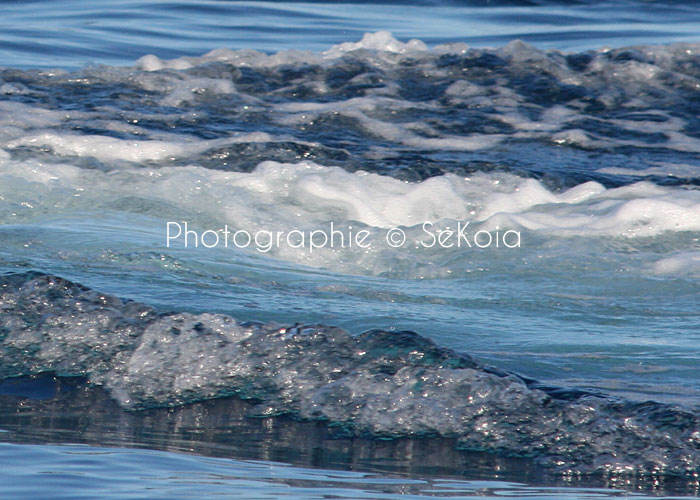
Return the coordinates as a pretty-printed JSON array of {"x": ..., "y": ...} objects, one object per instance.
[{"x": 379, "y": 383}]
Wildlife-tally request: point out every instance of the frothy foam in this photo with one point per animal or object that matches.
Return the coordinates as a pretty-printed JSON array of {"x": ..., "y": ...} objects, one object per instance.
[
  {"x": 371, "y": 104},
  {"x": 112, "y": 149},
  {"x": 303, "y": 194}
]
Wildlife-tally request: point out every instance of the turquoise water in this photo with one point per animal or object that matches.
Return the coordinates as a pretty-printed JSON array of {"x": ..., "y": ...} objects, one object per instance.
[{"x": 266, "y": 118}]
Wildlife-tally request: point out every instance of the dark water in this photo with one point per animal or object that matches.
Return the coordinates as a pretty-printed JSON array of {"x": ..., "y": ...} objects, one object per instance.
[
  {"x": 108, "y": 449},
  {"x": 564, "y": 366}
]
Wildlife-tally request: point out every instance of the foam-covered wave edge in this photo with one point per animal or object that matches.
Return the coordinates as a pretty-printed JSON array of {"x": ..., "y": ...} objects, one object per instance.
[{"x": 384, "y": 384}]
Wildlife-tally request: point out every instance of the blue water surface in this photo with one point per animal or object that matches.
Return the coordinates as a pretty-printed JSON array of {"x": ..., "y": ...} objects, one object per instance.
[
  {"x": 522, "y": 317},
  {"x": 73, "y": 33}
]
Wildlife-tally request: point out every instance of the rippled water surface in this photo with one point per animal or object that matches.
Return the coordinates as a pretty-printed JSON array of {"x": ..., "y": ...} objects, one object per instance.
[
  {"x": 67, "y": 469},
  {"x": 38, "y": 34}
]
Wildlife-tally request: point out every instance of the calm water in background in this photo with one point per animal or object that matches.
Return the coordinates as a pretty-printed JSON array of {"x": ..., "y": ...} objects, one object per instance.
[
  {"x": 586, "y": 309},
  {"x": 37, "y": 34}
]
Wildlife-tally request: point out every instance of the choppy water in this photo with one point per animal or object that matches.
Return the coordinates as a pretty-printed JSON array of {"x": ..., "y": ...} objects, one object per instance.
[{"x": 269, "y": 117}]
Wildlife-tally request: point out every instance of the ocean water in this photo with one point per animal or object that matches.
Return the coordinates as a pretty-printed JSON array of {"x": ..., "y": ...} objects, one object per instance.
[{"x": 349, "y": 250}]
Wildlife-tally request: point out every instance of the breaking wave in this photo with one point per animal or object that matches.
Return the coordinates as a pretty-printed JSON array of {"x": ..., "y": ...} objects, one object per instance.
[{"x": 381, "y": 384}]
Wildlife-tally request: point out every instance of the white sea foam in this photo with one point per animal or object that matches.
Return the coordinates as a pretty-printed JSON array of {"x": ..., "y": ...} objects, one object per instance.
[
  {"x": 382, "y": 42},
  {"x": 113, "y": 149},
  {"x": 307, "y": 194},
  {"x": 680, "y": 263},
  {"x": 16, "y": 118},
  {"x": 376, "y": 99},
  {"x": 381, "y": 109}
]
